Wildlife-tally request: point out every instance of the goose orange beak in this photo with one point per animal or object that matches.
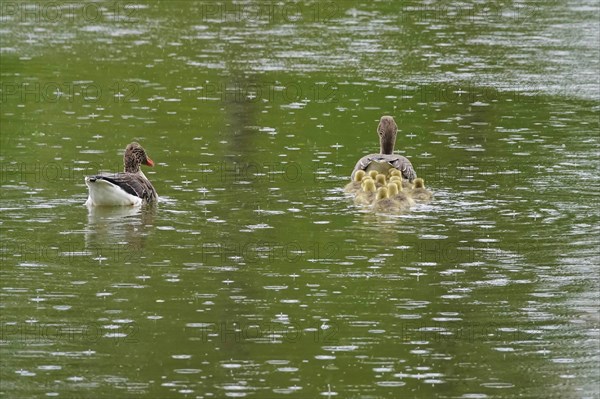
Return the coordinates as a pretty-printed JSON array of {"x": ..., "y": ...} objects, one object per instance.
[{"x": 149, "y": 162}]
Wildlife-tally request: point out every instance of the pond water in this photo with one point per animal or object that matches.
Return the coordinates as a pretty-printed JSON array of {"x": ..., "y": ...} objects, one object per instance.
[{"x": 255, "y": 276}]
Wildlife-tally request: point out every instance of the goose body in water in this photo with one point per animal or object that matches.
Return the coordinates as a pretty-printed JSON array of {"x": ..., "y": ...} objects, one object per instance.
[
  {"x": 386, "y": 159},
  {"x": 128, "y": 188}
]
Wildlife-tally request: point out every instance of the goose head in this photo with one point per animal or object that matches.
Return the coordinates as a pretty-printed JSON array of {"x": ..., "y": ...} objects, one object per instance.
[{"x": 134, "y": 156}]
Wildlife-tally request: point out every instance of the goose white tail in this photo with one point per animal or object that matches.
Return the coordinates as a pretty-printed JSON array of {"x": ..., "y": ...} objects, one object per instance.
[{"x": 105, "y": 193}]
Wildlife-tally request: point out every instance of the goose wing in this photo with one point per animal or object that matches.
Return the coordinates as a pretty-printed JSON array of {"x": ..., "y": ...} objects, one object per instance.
[
  {"x": 395, "y": 161},
  {"x": 133, "y": 183},
  {"x": 403, "y": 165}
]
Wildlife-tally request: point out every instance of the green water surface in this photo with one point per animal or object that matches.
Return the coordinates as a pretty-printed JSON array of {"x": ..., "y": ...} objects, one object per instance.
[{"x": 255, "y": 275}]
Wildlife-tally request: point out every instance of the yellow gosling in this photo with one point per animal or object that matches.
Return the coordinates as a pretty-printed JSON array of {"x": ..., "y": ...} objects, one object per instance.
[
  {"x": 404, "y": 201},
  {"x": 355, "y": 185},
  {"x": 367, "y": 193},
  {"x": 395, "y": 172},
  {"x": 403, "y": 185},
  {"x": 364, "y": 182},
  {"x": 419, "y": 192},
  {"x": 401, "y": 199},
  {"x": 383, "y": 203},
  {"x": 396, "y": 178}
]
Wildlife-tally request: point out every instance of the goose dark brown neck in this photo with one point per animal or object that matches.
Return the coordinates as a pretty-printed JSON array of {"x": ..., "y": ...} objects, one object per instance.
[
  {"x": 386, "y": 145},
  {"x": 132, "y": 165},
  {"x": 132, "y": 159},
  {"x": 387, "y": 131}
]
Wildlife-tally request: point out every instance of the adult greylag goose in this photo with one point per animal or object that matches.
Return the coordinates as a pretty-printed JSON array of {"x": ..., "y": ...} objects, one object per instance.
[
  {"x": 386, "y": 159},
  {"x": 130, "y": 187}
]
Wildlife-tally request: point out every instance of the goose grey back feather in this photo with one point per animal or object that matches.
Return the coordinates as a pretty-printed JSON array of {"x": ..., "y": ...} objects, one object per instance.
[
  {"x": 395, "y": 161},
  {"x": 133, "y": 183}
]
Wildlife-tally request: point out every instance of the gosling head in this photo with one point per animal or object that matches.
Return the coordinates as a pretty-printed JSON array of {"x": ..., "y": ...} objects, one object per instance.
[
  {"x": 395, "y": 172},
  {"x": 380, "y": 179},
  {"x": 382, "y": 193},
  {"x": 368, "y": 185},
  {"x": 398, "y": 181},
  {"x": 358, "y": 176}
]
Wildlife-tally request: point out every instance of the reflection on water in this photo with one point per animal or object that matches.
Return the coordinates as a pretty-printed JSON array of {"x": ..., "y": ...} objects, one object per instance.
[
  {"x": 255, "y": 275},
  {"x": 119, "y": 232}
]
